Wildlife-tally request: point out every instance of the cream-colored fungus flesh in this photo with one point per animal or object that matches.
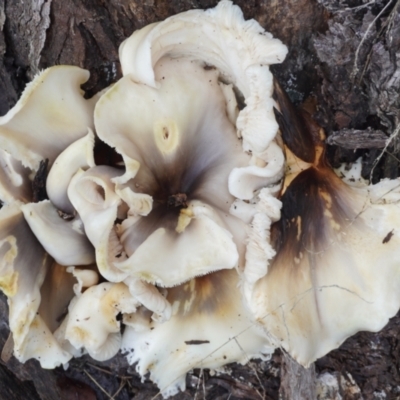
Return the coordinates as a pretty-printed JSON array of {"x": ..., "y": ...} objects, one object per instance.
[{"x": 50, "y": 115}]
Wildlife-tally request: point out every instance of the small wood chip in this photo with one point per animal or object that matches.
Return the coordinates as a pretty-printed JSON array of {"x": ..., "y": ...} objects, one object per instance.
[{"x": 358, "y": 139}]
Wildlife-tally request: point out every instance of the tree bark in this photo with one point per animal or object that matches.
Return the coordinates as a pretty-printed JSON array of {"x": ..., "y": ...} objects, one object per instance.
[{"x": 297, "y": 382}]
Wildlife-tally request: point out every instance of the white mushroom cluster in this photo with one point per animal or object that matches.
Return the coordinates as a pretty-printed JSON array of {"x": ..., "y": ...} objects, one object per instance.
[{"x": 163, "y": 247}]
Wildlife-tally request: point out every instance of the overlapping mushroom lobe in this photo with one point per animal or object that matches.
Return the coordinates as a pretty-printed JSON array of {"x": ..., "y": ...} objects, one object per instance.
[
  {"x": 209, "y": 327},
  {"x": 336, "y": 269},
  {"x": 166, "y": 228},
  {"x": 184, "y": 148}
]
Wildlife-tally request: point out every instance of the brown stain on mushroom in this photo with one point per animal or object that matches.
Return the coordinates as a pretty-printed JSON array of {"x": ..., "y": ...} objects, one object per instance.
[
  {"x": 208, "y": 294},
  {"x": 316, "y": 205},
  {"x": 294, "y": 132},
  {"x": 315, "y": 208},
  {"x": 56, "y": 293},
  {"x": 165, "y": 133},
  {"x": 177, "y": 200},
  {"x": 318, "y": 226}
]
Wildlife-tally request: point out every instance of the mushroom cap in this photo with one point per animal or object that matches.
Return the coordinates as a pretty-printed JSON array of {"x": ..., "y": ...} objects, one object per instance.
[
  {"x": 40, "y": 126},
  {"x": 180, "y": 144},
  {"x": 26, "y": 275},
  {"x": 92, "y": 322},
  {"x": 15, "y": 179},
  {"x": 240, "y": 49},
  {"x": 209, "y": 328},
  {"x": 202, "y": 247},
  {"x": 64, "y": 240},
  {"x": 78, "y": 155},
  {"x": 337, "y": 261},
  {"x": 337, "y": 267},
  {"x": 92, "y": 194},
  {"x": 85, "y": 278}
]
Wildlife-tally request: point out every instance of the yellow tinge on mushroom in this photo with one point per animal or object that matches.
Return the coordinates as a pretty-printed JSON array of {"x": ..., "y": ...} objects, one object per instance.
[{"x": 176, "y": 235}]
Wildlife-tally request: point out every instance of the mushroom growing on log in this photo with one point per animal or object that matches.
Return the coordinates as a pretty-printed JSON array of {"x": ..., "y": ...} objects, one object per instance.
[{"x": 185, "y": 229}]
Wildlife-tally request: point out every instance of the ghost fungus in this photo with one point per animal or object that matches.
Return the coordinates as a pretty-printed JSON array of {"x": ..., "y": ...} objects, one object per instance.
[
  {"x": 182, "y": 136},
  {"x": 151, "y": 298},
  {"x": 39, "y": 126},
  {"x": 241, "y": 50},
  {"x": 79, "y": 155},
  {"x": 27, "y": 275},
  {"x": 85, "y": 278},
  {"x": 92, "y": 322},
  {"x": 179, "y": 227},
  {"x": 209, "y": 327},
  {"x": 177, "y": 231},
  {"x": 64, "y": 240},
  {"x": 92, "y": 193},
  {"x": 38, "y": 288},
  {"x": 337, "y": 263},
  {"x": 166, "y": 127},
  {"x": 193, "y": 122},
  {"x": 204, "y": 247}
]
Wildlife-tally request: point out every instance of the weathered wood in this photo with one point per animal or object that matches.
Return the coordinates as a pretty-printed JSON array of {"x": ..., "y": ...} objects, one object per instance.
[
  {"x": 11, "y": 388},
  {"x": 358, "y": 139},
  {"x": 297, "y": 382}
]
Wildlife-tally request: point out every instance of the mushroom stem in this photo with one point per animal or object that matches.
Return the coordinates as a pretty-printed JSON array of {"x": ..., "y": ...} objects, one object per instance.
[{"x": 178, "y": 200}]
